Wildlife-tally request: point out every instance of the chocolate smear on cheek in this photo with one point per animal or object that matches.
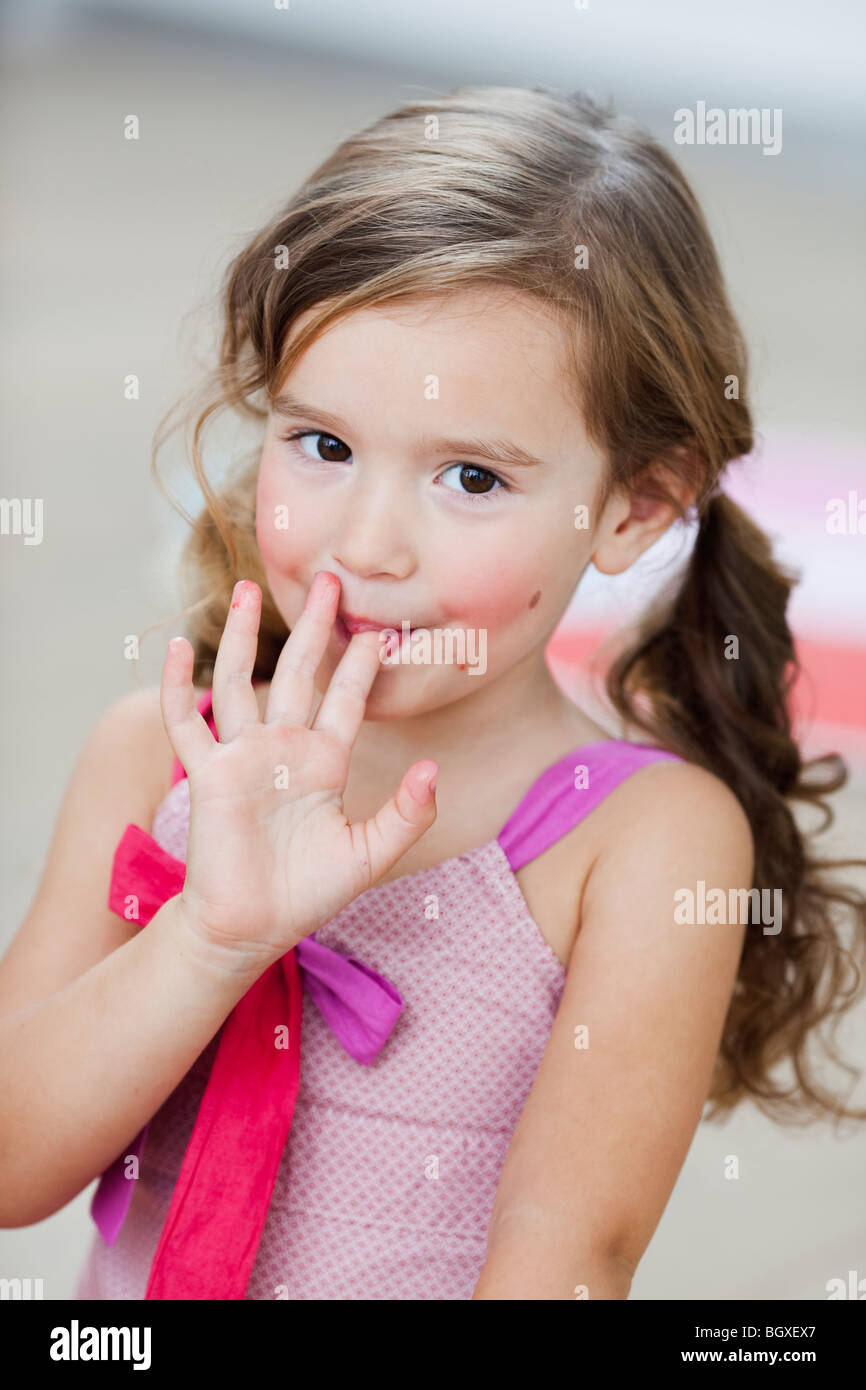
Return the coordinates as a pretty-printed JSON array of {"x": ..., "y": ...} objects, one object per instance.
[{"x": 535, "y": 597}]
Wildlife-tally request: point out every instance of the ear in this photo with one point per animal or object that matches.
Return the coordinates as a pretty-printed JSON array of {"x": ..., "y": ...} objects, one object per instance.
[{"x": 634, "y": 519}]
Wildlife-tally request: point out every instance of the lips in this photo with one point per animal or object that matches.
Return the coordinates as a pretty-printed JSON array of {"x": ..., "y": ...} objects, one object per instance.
[{"x": 355, "y": 624}]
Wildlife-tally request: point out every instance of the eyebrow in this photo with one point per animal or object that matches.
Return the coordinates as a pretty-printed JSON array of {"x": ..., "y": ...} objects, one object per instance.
[{"x": 500, "y": 450}]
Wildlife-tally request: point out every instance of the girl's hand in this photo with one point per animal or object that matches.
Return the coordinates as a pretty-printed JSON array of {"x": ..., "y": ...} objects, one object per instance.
[{"x": 271, "y": 856}]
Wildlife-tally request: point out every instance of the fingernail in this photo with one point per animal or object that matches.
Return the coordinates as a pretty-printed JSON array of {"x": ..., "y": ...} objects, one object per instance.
[
  {"x": 323, "y": 582},
  {"x": 425, "y": 784},
  {"x": 244, "y": 594}
]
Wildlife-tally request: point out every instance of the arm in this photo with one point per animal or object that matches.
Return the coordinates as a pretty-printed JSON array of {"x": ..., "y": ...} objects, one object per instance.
[
  {"x": 83, "y": 1071},
  {"x": 606, "y": 1129},
  {"x": 99, "y": 1019}
]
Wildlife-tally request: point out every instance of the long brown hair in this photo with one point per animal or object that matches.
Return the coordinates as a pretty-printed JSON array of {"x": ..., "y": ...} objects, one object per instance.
[{"x": 504, "y": 186}]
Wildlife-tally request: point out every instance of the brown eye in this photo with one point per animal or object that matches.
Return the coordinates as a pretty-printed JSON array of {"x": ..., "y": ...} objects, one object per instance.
[
  {"x": 332, "y": 450},
  {"x": 474, "y": 481},
  {"x": 327, "y": 447}
]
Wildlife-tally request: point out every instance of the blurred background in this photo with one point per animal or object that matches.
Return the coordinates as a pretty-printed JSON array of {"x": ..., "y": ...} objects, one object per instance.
[{"x": 112, "y": 250}]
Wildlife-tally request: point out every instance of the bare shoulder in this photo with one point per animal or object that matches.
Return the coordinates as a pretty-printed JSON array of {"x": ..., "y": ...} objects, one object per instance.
[
  {"x": 121, "y": 774},
  {"x": 133, "y": 725},
  {"x": 678, "y": 798},
  {"x": 666, "y": 826}
]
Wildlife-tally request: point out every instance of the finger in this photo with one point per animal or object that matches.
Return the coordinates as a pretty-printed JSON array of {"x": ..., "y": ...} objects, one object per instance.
[
  {"x": 292, "y": 688},
  {"x": 392, "y": 831},
  {"x": 187, "y": 731},
  {"x": 345, "y": 701},
  {"x": 235, "y": 705}
]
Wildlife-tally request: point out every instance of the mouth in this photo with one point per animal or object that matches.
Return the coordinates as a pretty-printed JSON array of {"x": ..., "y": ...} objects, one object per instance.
[
  {"x": 355, "y": 624},
  {"x": 347, "y": 624}
]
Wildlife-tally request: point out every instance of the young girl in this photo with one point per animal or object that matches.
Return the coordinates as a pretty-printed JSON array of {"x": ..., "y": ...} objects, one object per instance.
[{"x": 335, "y": 1040}]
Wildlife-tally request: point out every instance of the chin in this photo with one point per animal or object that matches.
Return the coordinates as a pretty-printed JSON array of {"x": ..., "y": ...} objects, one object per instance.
[
  {"x": 436, "y": 695},
  {"x": 400, "y": 694}
]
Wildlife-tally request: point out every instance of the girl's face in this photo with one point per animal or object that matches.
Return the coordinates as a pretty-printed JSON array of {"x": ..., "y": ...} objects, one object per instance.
[{"x": 436, "y": 470}]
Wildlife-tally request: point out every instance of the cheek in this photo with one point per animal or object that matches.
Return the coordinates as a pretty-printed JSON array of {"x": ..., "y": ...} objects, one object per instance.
[
  {"x": 496, "y": 590},
  {"x": 284, "y": 533}
]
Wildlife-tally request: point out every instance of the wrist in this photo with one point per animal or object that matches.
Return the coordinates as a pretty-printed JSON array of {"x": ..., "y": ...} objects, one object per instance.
[{"x": 232, "y": 961}]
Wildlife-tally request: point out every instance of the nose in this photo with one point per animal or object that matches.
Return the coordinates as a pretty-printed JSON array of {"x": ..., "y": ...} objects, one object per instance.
[{"x": 371, "y": 533}]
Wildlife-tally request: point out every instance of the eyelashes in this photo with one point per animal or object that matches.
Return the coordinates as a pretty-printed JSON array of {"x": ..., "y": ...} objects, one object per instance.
[{"x": 474, "y": 498}]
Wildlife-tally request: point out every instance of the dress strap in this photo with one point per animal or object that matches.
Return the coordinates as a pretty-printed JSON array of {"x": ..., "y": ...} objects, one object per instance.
[{"x": 567, "y": 791}]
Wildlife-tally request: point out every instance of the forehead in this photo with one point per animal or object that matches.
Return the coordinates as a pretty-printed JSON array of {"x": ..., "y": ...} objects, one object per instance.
[
  {"x": 496, "y": 318},
  {"x": 496, "y": 361}
]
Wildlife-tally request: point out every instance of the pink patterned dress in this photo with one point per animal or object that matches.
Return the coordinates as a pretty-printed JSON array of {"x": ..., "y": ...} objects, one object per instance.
[{"x": 387, "y": 1181}]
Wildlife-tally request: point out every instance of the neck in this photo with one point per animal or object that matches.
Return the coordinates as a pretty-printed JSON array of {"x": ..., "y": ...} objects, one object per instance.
[{"x": 523, "y": 713}]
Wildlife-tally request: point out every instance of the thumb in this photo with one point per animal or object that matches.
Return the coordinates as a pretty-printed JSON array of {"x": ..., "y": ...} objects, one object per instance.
[{"x": 402, "y": 820}]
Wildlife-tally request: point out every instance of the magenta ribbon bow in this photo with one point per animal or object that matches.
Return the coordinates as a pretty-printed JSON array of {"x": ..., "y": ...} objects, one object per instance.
[{"x": 359, "y": 1005}]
